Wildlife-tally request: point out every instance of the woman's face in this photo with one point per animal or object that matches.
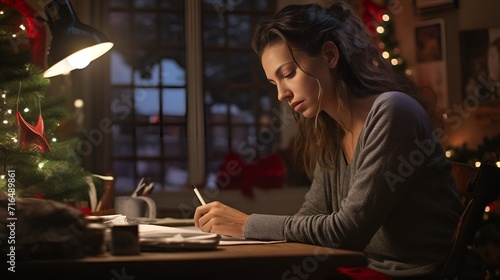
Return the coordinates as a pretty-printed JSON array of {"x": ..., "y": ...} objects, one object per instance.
[{"x": 300, "y": 90}]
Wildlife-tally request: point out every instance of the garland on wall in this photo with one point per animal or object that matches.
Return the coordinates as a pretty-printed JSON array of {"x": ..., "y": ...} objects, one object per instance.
[
  {"x": 470, "y": 156},
  {"x": 377, "y": 17}
]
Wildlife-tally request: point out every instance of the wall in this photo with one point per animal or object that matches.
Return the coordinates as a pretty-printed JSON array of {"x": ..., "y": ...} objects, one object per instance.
[{"x": 469, "y": 15}]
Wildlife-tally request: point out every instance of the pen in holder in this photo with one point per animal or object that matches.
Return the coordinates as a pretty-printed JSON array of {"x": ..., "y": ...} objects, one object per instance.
[{"x": 135, "y": 207}]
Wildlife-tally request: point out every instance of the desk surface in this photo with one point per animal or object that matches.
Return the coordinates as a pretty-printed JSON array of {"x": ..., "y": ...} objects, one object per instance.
[{"x": 267, "y": 261}]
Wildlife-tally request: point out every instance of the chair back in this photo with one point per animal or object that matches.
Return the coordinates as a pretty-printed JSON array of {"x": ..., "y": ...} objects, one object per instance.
[
  {"x": 464, "y": 175},
  {"x": 485, "y": 190}
]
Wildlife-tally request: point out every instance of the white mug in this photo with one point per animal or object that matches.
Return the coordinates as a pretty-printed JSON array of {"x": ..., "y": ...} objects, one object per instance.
[{"x": 135, "y": 207}]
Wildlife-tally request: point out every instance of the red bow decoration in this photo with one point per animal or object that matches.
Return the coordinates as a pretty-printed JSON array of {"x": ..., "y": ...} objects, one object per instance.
[
  {"x": 32, "y": 136},
  {"x": 266, "y": 173},
  {"x": 35, "y": 30},
  {"x": 372, "y": 15}
]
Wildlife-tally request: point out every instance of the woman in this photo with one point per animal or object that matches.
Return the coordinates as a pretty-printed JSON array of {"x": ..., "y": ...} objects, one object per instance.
[{"x": 381, "y": 182}]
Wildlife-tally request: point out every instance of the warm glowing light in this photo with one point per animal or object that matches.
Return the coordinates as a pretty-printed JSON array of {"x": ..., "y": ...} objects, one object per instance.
[
  {"x": 26, "y": 110},
  {"x": 9, "y": 111},
  {"x": 4, "y": 95},
  {"x": 80, "y": 59},
  {"x": 385, "y": 55},
  {"x": 1, "y": 12},
  {"x": 2, "y": 177},
  {"x": 41, "y": 164},
  {"x": 78, "y": 103},
  {"x": 5, "y": 122},
  {"x": 54, "y": 139},
  {"x": 22, "y": 27},
  {"x": 394, "y": 61},
  {"x": 487, "y": 209},
  {"x": 449, "y": 153},
  {"x": 477, "y": 164},
  {"x": 498, "y": 164},
  {"x": 408, "y": 72},
  {"x": 14, "y": 139},
  {"x": 14, "y": 35},
  {"x": 380, "y": 30},
  {"x": 386, "y": 17}
]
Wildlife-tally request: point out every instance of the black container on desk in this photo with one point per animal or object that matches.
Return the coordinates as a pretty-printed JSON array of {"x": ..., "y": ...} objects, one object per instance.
[
  {"x": 95, "y": 236},
  {"x": 125, "y": 240}
]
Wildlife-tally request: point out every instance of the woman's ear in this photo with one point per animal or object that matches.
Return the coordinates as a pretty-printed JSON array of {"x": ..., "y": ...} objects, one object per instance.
[{"x": 331, "y": 54}]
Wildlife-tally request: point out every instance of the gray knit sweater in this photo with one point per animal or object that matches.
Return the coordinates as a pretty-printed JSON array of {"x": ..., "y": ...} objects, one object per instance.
[{"x": 396, "y": 201}]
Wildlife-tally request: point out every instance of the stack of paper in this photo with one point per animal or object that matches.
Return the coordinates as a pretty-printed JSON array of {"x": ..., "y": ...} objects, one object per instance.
[{"x": 163, "y": 238}]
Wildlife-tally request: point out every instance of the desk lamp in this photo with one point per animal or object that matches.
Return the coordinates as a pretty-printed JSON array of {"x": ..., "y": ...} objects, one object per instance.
[{"x": 74, "y": 44}]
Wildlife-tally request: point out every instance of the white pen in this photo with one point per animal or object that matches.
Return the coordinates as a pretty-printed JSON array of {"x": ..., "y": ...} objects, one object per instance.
[{"x": 198, "y": 194}]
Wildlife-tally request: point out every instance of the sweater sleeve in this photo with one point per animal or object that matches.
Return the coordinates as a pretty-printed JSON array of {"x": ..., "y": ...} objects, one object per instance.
[
  {"x": 383, "y": 170},
  {"x": 271, "y": 227}
]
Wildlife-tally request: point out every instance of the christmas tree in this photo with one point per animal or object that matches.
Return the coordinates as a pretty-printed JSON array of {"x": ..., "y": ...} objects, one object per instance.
[
  {"x": 43, "y": 165},
  {"x": 377, "y": 17}
]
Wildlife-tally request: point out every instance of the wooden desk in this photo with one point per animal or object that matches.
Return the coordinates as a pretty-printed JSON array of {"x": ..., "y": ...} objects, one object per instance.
[{"x": 268, "y": 261}]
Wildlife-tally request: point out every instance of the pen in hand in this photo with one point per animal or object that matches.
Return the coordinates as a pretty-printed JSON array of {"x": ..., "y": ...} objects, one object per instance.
[{"x": 198, "y": 194}]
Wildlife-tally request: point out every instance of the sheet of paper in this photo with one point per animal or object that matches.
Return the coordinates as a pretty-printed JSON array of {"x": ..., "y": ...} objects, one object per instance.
[
  {"x": 226, "y": 241},
  {"x": 154, "y": 230}
]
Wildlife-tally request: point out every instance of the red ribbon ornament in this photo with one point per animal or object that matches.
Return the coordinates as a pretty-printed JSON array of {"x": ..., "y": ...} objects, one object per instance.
[{"x": 32, "y": 136}]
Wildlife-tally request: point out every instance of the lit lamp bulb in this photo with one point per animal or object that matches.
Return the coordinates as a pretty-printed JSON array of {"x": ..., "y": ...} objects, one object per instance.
[{"x": 80, "y": 59}]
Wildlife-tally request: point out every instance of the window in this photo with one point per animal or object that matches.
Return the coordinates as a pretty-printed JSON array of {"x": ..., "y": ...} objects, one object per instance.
[{"x": 151, "y": 93}]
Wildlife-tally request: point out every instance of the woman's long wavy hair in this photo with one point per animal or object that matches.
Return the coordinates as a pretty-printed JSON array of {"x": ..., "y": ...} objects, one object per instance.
[{"x": 360, "y": 72}]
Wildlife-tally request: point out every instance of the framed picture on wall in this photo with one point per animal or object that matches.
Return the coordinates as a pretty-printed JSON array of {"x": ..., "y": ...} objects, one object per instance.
[
  {"x": 422, "y": 6},
  {"x": 480, "y": 60},
  {"x": 431, "y": 59}
]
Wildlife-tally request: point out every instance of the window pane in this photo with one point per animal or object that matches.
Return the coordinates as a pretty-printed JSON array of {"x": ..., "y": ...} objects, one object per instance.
[
  {"x": 175, "y": 142},
  {"x": 121, "y": 24},
  {"x": 172, "y": 31},
  {"x": 145, "y": 3},
  {"x": 240, "y": 69},
  {"x": 118, "y": 4},
  {"x": 241, "y": 110},
  {"x": 148, "y": 141},
  {"x": 215, "y": 68},
  {"x": 213, "y": 30},
  {"x": 239, "y": 30},
  {"x": 124, "y": 176},
  {"x": 172, "y": 4},
  {"x": 264, "y": 5},
  {"x": 121, "y": 104},
  {"x": 120, "y": 71},
  {"x": 146, "y": 75},
  {"x": 149, "y": 169},
  {"x": 174, "y": 102},
  {"x": 217, "y": 140},
  {"x": 172, "y": 74},
  {"x": 122, "y": 140},
  {"x": 176, "y": 174},
  {"x": 147, "y": 102},
  {"x": 144, "y": 28},
  {"x": 217, "y": 113}
]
